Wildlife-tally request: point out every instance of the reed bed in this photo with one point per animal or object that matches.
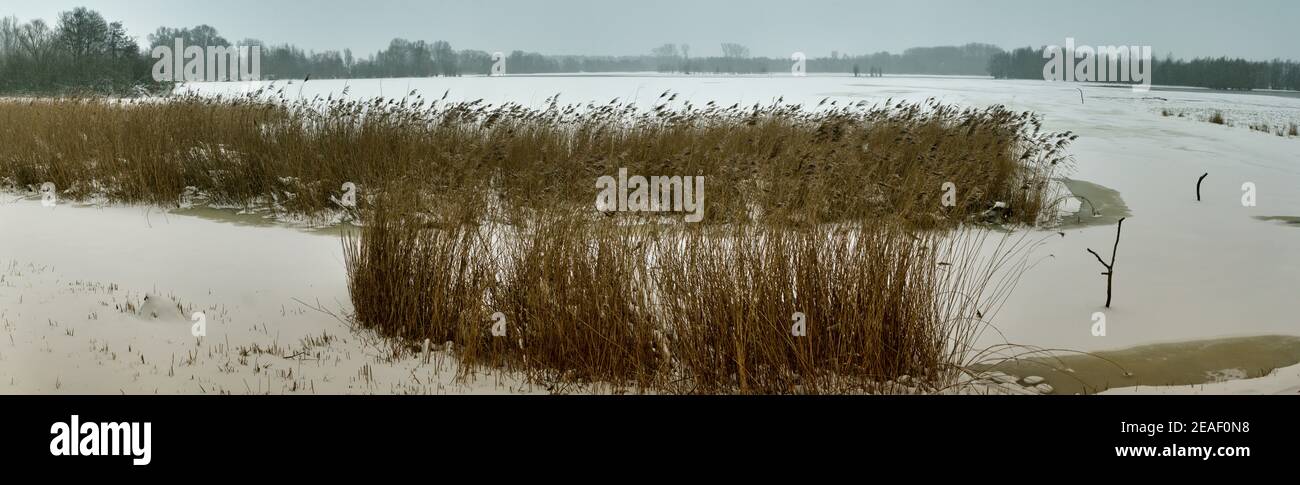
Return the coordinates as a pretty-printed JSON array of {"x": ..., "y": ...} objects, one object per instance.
[
  {"x": 863, "y": 297},
  {"x": 474, "y": 215},
  {"x": 782, "y": 163},
  {"x": 678, "y": 308},
  {"x": 416, "y": 268}
]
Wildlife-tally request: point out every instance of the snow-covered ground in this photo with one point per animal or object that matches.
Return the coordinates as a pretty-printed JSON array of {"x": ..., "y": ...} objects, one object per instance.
[
  {"x": 1284, "y": 381},
  {"x": 1185, "y": 270},
  {"x": 100, "y": 301}
]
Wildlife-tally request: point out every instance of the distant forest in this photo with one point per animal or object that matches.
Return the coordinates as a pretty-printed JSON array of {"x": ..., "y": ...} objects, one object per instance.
[
  {"x": 1214, "y": 73},
  {"x": 84, "y": 52}
]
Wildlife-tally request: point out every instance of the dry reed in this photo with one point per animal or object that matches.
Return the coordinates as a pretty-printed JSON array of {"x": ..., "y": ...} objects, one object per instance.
[
  {"x": 474, "y": 213},
  {"x": 783, "y": 163}
]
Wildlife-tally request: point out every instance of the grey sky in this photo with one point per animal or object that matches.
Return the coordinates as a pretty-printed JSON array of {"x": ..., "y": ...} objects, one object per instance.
[{"x": 1256, "y": 29}]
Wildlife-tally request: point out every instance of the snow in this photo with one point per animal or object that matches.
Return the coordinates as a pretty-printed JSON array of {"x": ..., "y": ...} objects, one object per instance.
[
  {"x": 89, "y": 305},
  {"x": 1184, "y": 270},
  {"x": 1285, "y": 381}
]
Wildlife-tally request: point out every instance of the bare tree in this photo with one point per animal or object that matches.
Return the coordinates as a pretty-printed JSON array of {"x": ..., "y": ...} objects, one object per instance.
[
  {"x": 666, "y": 51},
  {"x": 8, "y": 35},
  {"x": 734, "y": 51},
  {"x": 82, "y": 33}
]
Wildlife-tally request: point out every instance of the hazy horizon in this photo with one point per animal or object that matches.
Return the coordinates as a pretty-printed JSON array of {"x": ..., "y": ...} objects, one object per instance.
[{"x": 1257, "y": 30}]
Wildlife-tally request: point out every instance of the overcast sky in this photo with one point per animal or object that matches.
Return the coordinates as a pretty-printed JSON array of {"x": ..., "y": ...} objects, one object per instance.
[{"x": 1256, "y": 29}]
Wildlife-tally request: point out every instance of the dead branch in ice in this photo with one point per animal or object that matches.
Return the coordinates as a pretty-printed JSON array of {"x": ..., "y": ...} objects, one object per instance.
[{"x": 1110, "y": 268}]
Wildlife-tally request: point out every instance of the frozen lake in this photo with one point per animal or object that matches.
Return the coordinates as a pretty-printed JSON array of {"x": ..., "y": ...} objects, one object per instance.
[{"x": 1185, "y": 270}]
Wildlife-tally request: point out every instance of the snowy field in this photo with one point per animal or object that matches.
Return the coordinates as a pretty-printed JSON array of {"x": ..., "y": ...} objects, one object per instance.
[{"x": 73, "y": 279}]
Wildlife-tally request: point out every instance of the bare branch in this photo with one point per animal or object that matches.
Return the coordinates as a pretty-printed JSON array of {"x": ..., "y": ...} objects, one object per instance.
[
  {"x": 1114, "y": 251},
  {"x": 1099, "y": 260},
  {"x": 1110, "y": 268}
]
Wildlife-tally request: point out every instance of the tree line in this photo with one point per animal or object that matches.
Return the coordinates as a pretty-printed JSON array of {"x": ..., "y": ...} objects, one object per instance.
[
  {"x": 1213, "y": 73},
  {"x": 82, "y": 51}
]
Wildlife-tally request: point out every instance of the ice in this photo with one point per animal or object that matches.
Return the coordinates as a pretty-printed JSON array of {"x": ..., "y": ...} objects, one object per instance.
[{"x": 1184, "y": 270}]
